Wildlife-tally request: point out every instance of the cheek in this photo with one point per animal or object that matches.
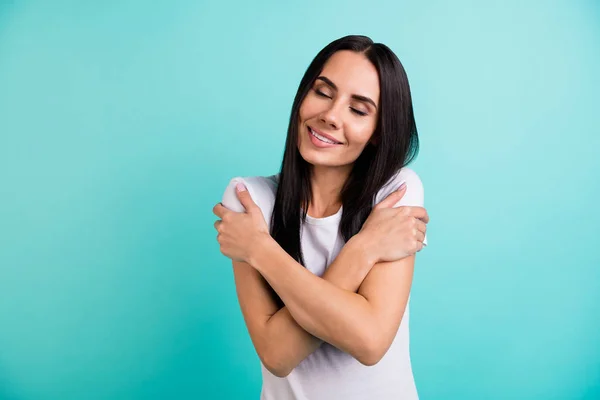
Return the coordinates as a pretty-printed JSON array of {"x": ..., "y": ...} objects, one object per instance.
[
  {"x": 303, "y": 112},
  {"x": 309, "y": 108},
  {"x": 361, "y": 134}
]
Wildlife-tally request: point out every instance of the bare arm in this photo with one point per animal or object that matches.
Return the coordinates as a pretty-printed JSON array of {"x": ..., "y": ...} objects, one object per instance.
[
  {"x": 349, "y": 320},
  {"x": 280, "y": 342},
  {"x": 362, "y": 324}
]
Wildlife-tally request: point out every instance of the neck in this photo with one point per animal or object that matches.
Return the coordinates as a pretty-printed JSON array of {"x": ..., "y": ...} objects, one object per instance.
[{"x": 326, "y": 186}]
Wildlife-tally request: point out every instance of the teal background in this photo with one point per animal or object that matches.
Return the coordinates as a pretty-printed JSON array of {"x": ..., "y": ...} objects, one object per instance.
[{"x": 121, "y": 123}]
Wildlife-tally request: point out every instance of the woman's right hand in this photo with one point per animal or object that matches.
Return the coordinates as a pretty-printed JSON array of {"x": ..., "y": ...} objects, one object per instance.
[{"x": 394, "y": 233}]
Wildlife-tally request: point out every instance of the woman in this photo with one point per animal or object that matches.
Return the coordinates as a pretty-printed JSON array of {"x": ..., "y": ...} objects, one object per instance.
[{"x": 324, "y": 284}]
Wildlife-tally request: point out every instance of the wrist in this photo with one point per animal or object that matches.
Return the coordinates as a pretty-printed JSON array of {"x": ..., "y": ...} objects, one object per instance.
[
  {"x": 365, "y": 248},
  {"x": 261, "y": 245}
]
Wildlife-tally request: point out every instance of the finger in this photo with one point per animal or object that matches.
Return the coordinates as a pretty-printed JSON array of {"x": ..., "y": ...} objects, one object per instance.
[
  {"x": 419, "y": 246},
  {"x": 393, "y": 197},
  {"x": 244, "y": 196},
  {"x": 220, "y": 210},
  {"x": 421, "y": 226},
  {"x": 419, "y": 213}
]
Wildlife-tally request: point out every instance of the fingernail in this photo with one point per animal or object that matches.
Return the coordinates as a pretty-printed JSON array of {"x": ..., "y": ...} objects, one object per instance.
[
  {"x": 240, "y": 187},
  {"x": 402, "y": 186}
]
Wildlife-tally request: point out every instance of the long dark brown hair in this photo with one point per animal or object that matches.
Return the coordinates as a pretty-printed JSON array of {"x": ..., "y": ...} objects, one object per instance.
[{"x": 397, "y": 145}]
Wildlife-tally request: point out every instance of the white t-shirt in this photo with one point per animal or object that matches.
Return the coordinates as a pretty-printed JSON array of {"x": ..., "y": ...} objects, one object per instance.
[{"x": 330, "y": 373}]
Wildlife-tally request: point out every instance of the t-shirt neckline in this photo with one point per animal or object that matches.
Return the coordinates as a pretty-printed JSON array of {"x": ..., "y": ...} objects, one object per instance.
[{"x": 325, "y": 220}]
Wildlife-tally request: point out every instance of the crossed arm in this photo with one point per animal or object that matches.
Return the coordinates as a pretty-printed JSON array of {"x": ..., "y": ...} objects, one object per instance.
[{"x": 356, "y": 306}]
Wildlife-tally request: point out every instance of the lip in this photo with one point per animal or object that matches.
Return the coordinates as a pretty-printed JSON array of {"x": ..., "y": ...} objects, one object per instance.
[
  {"x": 318, "y": 143},
  {"x": 337, "y": 142}
]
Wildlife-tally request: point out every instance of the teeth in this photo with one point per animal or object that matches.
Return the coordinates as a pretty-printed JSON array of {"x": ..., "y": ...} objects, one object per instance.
[{"x": 321, "y": 138}]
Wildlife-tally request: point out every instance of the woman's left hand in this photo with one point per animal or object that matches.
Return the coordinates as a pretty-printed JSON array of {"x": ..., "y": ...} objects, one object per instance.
[{"x": 240, "y": 232}]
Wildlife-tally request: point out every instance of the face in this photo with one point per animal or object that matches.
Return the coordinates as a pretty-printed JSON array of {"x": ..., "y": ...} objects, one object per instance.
[{"x": 339, "y": 114}]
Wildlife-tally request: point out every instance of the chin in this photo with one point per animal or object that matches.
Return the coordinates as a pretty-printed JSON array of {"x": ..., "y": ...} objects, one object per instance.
[
  {"x": 316, "y": 157},
  {"x": 320, "y": 160}
]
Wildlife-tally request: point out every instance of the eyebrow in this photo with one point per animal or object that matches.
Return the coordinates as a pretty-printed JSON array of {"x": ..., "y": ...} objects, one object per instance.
[{"x": 354, "y": 96}]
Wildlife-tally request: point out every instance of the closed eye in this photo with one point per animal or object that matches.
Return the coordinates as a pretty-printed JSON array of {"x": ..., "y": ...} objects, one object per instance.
[{"x": 354, "y": 110}]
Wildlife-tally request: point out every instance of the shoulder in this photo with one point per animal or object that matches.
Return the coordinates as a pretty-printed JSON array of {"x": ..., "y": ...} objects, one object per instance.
[
  {"x": 414, "y": 195},
  {"x": 262, "y": 189}
]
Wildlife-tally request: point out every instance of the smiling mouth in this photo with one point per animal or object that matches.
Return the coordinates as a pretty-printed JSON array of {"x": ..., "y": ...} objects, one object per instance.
[{"x": 321, "y": 138}]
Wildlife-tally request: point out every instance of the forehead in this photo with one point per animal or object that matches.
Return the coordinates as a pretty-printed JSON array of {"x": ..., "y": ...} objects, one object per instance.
[{"x": 353, "y": 73}]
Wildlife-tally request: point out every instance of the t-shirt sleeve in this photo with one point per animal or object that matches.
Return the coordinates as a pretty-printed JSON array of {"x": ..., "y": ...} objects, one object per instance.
[
  {"x": 260, "y": 192},
  {"x": 414, "y": 195},
  {"x": 230, "y": 199}
]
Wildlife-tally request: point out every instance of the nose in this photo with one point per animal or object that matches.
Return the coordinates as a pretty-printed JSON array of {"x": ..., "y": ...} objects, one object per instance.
[{"x": 331, "y": 117}]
